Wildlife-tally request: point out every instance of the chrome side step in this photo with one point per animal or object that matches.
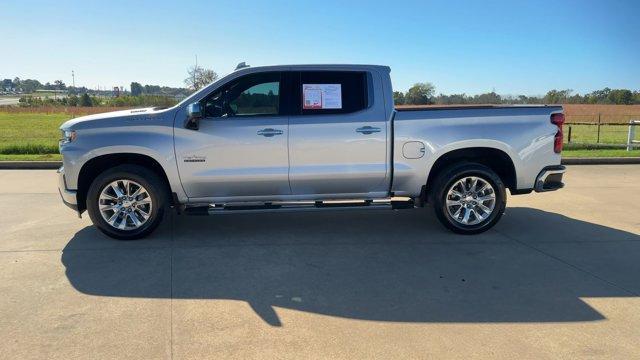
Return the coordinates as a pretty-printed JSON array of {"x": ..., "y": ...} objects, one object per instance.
[{"x": 284, "y": 206}]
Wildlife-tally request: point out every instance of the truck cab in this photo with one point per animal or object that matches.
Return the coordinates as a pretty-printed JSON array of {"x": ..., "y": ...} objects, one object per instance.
[{"x": 253, "y": 138}]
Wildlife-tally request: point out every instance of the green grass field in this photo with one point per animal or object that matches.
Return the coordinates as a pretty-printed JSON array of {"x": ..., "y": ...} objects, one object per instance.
[
  {"x": 582, "y": 153},
  {"x": 30, "y": 137},
  {"x": 30, "y": 157},
  {"x": 30, "y": 133},
  {"x": 588, "y": 134}
]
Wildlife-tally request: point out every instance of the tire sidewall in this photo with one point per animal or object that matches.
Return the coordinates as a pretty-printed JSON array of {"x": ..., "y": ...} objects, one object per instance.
[
  {"x": 456, "y": 173},
  {"x": 143, "y": 177}
]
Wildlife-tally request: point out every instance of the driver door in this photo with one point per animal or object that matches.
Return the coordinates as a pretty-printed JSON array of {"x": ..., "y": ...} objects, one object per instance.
[{"x": 240, "y": 148}]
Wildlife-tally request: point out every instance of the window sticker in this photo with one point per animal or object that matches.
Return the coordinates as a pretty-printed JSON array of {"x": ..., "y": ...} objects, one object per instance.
[{"x": 321, "y": 96}]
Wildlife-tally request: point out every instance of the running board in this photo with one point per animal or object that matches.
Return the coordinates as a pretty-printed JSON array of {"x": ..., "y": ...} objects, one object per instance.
[{"x": 284, "y": 206}]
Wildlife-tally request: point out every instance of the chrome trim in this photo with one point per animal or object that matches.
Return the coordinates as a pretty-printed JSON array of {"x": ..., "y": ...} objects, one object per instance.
[
  {"x": 270, "y": 132},
  {"x": 367, "y": 130}
]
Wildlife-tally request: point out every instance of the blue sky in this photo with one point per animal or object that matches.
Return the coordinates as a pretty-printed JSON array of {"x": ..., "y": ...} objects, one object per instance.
[{"x": 512, "y": 47}]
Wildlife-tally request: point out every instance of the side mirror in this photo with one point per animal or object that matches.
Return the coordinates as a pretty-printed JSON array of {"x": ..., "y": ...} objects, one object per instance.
[{"x": 194, "y": 114}]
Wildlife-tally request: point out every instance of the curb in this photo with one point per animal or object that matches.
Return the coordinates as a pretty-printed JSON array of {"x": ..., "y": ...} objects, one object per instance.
[
  {"x": 30, "y": 165},
  {"x": 53, "y": 165},
  {"x": 601, "y": 161}
]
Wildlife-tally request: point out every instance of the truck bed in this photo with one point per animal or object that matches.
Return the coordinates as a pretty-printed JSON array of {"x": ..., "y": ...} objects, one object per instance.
[
  {"x": 466, "y": 107},
  {"x": 523, "y": 133}
]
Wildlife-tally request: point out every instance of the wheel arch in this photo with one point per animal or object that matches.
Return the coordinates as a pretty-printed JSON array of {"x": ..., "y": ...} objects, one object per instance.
[
  {"x": 496, "y": 159},
  {"x": 97, "y": 165}
]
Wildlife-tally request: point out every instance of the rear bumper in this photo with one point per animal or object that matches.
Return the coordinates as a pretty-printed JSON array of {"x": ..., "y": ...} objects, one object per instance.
[
  {"x": 550, "y": 178},
  {"x": 68, "y": 196}
]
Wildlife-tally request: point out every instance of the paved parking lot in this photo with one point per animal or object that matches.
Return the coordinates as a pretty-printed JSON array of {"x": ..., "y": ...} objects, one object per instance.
[{"x": 558, "y": 277}]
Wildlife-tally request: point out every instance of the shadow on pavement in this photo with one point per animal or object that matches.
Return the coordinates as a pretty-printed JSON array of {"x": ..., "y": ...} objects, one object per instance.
[{"x": 370, "y": 266}]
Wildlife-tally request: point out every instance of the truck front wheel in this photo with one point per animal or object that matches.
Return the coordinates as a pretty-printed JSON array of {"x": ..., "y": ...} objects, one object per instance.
[
  {"x": 468, "y": 198},
  {"x": 126, "y": 202}
]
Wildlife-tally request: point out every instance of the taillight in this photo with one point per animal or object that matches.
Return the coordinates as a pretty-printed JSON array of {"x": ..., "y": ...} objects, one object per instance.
[{"x": 558, "y": 120}]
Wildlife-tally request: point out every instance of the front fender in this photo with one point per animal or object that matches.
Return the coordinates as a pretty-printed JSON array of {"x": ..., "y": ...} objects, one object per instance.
[{"x": 75, "y": 156}]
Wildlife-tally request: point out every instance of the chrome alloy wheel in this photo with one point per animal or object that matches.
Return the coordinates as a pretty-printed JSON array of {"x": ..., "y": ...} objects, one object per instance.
[
  {"x": 470, "y": 200},
  {"x": 125, "y": 204}
]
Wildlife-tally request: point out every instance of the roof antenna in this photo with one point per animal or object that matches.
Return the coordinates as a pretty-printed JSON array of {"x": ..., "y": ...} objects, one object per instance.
[{"x": 242, "y": 65}]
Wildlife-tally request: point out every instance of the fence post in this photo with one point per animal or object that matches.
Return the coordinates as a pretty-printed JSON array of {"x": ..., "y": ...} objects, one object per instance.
[
  {"x": 569, "y": 135},
  {"x": 632, "y": 134},
  {"x": 598, "y": 138}
]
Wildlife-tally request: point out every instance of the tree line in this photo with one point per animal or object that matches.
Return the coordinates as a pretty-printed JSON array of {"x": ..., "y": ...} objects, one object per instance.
[
  {"x": 139, "y": 89},
  {"x": 28, "y": 86},
  {"x": 424, "y": 94}
]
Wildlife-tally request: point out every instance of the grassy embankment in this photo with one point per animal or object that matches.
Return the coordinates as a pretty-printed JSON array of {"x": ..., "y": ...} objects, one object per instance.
[
  {"x": 32, "y": 134},
  {"x": 25, "y": 136}
]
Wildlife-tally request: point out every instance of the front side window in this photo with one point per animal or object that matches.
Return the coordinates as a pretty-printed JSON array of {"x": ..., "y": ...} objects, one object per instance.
[{"x": 251, "y": 95}]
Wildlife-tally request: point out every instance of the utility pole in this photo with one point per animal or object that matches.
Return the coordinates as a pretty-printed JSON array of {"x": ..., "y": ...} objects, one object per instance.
[
  {"x": 73, "y": 77},
  {"x": 195, "y": 70}
]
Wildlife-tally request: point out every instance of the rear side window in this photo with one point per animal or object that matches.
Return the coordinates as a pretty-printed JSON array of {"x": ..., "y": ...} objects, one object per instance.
[{"x": 329, "y": 92}]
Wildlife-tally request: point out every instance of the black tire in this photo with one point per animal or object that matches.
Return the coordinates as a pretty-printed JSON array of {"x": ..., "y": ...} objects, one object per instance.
[
  {"x": 448, "y": 177},
  {"x": 143, "y": 176}
]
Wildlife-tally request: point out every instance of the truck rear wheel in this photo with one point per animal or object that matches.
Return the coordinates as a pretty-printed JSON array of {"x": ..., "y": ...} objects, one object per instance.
[
  {"x": 126, "y": 202},
  {"x": 468, "y": 198}
]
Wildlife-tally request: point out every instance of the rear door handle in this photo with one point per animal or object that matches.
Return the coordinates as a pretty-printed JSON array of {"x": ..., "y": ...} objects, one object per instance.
[
  {"x": 368, "y": 130},
  {"x": 269, "y": 132}
]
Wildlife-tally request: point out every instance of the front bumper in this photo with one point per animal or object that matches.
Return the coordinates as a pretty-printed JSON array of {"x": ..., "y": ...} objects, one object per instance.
[
  {"x": 550, "y": 178},
  {"x": 68, "y": 196}
]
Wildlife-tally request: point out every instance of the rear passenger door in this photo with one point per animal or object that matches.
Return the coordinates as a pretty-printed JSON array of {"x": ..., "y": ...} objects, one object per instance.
[{"x": 337, "y": 134}]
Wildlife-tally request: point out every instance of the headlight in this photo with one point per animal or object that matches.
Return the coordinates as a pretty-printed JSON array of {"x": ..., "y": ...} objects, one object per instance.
[{"x": 68, "y": 136}]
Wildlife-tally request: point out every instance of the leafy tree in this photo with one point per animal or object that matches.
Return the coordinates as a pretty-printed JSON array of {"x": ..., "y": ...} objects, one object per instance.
[
  {"x": 598, "y": 96},
  {"x": 398, "y": 98},
  {"x": 487, "y": 98},
  {"x": 420, "y": 94},
  {"x": 16, "y": 83},
  {"x": 575, "y": 99},
  {"x": 557, "y": 96},
  {"x": 452, "y": 99},
  {"x": 7, "y": 84},
  {"x": 136, "y": 89},
  {"x": 59, "y": 85},
  {"x": 620, "y": 97},
  {"x": 85, "y": 100},
  {"x": 199, "y": 77},
  {"x": 72, "y": 100},
  {"x": 152, "y": 89},
  {"x": 30, "y": 85}
]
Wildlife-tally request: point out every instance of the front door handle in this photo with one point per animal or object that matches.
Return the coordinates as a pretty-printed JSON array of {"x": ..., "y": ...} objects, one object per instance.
[
  {"x": 269, "y": 132},
  {"x": 368, "y": 130}
]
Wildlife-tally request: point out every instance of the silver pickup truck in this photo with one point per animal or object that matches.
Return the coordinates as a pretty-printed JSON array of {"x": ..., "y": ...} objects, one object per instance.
[{"x": 306, "y": 137}]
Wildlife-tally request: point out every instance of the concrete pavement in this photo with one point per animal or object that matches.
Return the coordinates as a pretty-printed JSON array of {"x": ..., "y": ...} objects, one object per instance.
[
  {"x": 9, "y": 101},
  {"x": 557, "y": 277}
]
